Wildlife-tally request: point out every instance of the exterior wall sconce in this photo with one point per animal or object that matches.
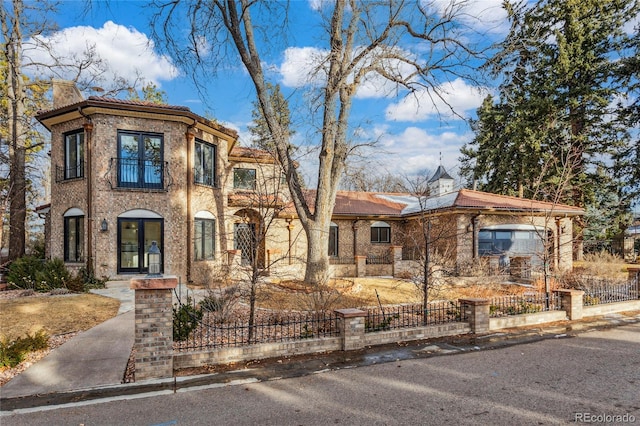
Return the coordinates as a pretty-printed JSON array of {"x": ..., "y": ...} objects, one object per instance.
[
  {"x": 104, "y": 225},
  {"x": 154, "y": 260},
  {"x": 470, "y": 227}
]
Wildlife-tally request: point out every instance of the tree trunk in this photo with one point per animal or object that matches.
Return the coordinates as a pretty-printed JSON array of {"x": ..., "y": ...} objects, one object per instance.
[
  {"x": 316, "y": 271},
  {"x": 17, "y": 143}
]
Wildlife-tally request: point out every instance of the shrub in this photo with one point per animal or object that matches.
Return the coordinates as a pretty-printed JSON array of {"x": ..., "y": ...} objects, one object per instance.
[
  {"x": 186, "y": 318},
  {"x": 89, "y": 279},
  {"x": 23, "y": 273},
  {"x": 53, "y": 275},
  {"x": 12, "y": 352}
]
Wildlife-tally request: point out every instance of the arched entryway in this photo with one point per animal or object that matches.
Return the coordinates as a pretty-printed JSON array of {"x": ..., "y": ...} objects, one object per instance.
[{"x": 248, "y": 237}]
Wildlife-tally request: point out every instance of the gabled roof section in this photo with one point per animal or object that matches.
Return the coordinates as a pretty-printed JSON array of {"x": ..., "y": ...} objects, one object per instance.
[{"x": 441, "y": 173}]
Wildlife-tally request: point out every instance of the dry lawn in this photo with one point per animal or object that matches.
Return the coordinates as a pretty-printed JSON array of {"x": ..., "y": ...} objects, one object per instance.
[
  {"x": 361, "y": 292},
  {"x": 54, "y": 314}
]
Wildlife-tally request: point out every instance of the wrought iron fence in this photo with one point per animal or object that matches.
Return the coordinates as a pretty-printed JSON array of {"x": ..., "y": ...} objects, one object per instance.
[
  {"x": 524, "y": 304},
  {"x": 407, "y": 316},
  {"x": 599, "y": 293},
  {"x": 382, "y": 259},
  {"x": 210, "y": 332}
]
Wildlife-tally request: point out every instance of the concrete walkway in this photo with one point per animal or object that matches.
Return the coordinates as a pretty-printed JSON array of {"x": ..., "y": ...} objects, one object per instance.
[{"x": 94, "y": 358}]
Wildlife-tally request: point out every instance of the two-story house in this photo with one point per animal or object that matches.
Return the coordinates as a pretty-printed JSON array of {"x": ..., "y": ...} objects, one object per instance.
[{"x": 127, "y": 173}]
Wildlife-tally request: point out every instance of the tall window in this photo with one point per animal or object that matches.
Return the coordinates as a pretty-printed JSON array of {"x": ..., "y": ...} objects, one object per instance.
[
  {"x": 244, "y": 178},
  {"x": 333, "y": 240},
  {"x": 140, "y": 162},
  {"x": 380, "y": 232},
  {"x": 73, "y": 237},
  {"x": 204, "y": 236},
  {"x": 74, "y": 155},
  {"x": 205, "y": 163}
]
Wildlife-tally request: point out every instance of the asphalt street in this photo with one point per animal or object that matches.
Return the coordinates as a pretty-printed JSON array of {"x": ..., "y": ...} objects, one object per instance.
[{"x": 591, "y": 378}]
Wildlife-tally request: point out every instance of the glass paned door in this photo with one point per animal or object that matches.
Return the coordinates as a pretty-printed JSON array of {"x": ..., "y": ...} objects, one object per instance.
[
  {"x": 134, "y": 239},
  {"x": 245, "y": 241},
  {"x": 152, "y": 161},
  {"x": 129, "y": 170}
]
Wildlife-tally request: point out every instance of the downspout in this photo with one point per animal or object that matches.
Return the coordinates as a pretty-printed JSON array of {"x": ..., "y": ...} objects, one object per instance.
[
  {"x": 190, "y": 135},
  {"x": 290, "y": 229},
  {"x": 556, "y": 252},
  {"x": 88, "y": 132},
  {"x": 474, "y": 236},
  {"x": 354, "y": 227}
]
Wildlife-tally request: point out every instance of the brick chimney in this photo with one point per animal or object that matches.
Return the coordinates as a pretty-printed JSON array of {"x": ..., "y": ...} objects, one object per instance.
[{"x": 65, "y": 93}]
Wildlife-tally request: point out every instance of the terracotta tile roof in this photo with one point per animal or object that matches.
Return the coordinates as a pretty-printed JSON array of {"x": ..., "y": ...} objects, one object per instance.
[
  {"x": 350, "y": 203},
  {"x": 131, "y": 105},
  {"x": 137, "y": 103},
  {"x": 477, "y": 199},
  {"x": 254, "y": 153},
  {"x": 366, "y": 203}
]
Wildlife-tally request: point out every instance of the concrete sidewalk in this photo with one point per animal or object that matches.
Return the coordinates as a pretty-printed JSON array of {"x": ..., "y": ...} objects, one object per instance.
[{"x": 94, "y": 358}]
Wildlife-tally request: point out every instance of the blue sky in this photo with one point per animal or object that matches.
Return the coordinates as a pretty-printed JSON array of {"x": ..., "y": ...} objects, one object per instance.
[{"x": 410, "y": 136}]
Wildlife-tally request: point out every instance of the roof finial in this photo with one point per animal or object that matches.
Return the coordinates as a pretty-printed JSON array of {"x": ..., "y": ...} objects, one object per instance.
[{"x": 441, "y": 158}]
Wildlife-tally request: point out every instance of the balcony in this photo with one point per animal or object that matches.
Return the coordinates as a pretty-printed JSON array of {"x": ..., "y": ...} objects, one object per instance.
[{"x": 134, "y": 173}]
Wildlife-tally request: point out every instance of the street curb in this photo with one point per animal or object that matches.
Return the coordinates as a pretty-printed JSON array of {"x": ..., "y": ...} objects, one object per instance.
[{"x": 290, "y": 367}]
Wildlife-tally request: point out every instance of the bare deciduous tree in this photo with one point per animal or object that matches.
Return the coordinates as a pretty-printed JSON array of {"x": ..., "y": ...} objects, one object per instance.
[{"x": 406, "y": 45}]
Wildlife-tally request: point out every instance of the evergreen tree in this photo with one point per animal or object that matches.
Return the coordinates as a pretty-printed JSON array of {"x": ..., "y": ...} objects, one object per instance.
[
  {"x": 551, "y": 125},
  {"x": 259, "y": 130},
  {"x": 150, "y": 93},
  {"x": 627, "y": 158}
]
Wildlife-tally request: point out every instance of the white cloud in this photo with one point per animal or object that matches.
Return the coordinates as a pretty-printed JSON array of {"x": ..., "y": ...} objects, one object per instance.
[
  {"x": 480, "y": 15},
  {"x": 415, "y": 150},
  {"x": 424, "y": 104},
  {"x": 299, "y": 67},
  {"x": 126, "y": 52}
]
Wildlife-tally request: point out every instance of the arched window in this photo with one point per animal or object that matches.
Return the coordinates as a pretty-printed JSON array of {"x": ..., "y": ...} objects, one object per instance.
[
  {"x": 74, "y": 235},
  {"x": 204, "y": 236},
  {"x": 380, "y": 232}
]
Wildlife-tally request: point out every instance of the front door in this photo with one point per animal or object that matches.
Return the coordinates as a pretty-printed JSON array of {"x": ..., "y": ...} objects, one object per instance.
[{"x": 134, "y": 239}]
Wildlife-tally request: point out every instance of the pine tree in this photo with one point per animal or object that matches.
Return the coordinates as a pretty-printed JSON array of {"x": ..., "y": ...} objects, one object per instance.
[
  {"x": 551, "y": 124},
  {"x": 259, "y": 130}
]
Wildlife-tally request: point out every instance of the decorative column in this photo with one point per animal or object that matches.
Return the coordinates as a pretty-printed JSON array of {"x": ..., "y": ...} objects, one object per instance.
[
  {"x": 154, "y": 326},
  {"x": 476, "y": 312},
  {"x": 572, "y": 302},
  {"x": 351, "y": 326}
]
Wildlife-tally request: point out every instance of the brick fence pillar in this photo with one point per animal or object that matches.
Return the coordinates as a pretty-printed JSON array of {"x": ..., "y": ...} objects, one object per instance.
[
  {"x": 351, "y": 326},
  {"x": 361, "y": 266},
  {"x": 571, "y": 301},
  {"x": 476, "y": 312},
  {"x": 634, "y": 273},
  {"x": 154, "y": 326}
]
